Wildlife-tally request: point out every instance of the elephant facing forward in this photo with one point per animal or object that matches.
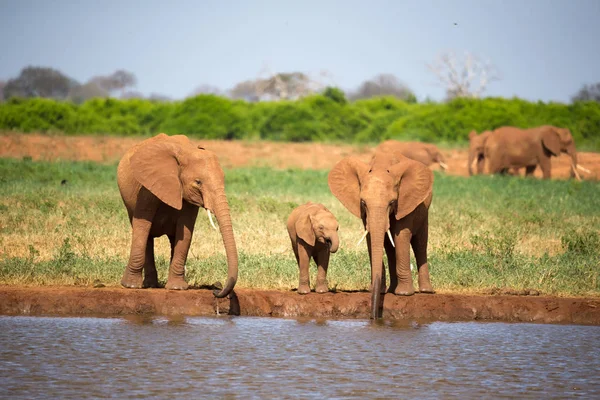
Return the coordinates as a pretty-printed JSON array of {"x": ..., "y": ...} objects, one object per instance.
[
  {"x": 163, "y": 181},
  {"x": 392, "y": 193},
  {"x": 427, "y": 153},
  {"x": 510, "y": 147},
  {"x": 313, "y": 231}
]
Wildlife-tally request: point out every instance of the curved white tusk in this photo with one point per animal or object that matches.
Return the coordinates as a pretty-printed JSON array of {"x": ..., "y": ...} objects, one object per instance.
[
  {"x": 575, "y": 172},
  {"x": 210, "y": 219},
  {"x": 443, "y": 165},
  {"x": 584, "y": 169},
  {"x": 362, "y": 237},
  {"x": 390, "y": 236}
]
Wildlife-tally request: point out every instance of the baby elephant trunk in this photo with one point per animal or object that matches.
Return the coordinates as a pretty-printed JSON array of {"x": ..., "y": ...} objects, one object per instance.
[{"x": 333, "y": 242}]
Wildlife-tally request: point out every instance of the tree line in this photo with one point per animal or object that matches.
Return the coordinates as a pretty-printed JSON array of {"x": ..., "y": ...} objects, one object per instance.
[{"x": 328, "y": 116}]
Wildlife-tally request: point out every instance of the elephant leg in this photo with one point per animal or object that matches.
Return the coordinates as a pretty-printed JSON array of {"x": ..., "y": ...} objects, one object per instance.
[
  {"x": 530, "y": 169},
  {"x": 322, "y": 261},
  {"x": 183, "y": 239},
  {"x": 404, "y": 276},
  {"x": 546, "y": 167},
  {"x": 419, "y": 246},
  {"x": 140, "y": 224},
  {"x": 304, "y": 255},
  {"x": 150, "y": 274},
  {"x": 480, "y": 164}
]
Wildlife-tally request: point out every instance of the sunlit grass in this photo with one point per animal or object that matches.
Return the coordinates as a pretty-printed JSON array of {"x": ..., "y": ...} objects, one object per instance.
[{"x": 485, "y": 232}]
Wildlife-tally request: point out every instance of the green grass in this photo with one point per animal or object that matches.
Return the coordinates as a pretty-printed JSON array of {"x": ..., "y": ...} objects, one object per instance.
[{"x": 485, "y": 232}]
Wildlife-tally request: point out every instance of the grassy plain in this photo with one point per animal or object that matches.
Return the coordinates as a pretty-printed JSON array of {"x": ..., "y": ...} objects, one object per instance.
[{"x": 485, "y": 232}]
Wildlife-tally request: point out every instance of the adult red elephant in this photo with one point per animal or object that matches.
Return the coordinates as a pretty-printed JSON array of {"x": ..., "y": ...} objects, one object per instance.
[
  {"x": 163, "y": 181},
  {"x": 510, "y": 147}
]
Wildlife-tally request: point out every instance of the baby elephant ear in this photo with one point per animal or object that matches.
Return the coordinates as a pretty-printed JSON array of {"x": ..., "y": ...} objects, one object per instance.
[
  {"x": 304, "y": 229},
  {"x": 416, "y": 184},
  {"x": 155, "y": 167}
]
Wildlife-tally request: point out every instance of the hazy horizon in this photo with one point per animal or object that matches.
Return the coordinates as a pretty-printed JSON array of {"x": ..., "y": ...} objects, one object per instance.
[{"x": 543, "y": 49}]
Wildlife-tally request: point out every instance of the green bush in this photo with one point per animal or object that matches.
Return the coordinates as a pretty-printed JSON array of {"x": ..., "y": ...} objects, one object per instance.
[{"x": 327, "y": 117}]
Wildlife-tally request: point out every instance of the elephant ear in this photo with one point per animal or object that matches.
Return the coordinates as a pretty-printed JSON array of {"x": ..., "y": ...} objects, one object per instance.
[
  {"x": 472, "y": 135},
  {"x": 344, "y": 182},
  {"x": 415, "y": 185},
  {"x": 551, "y": 141},
  {"x": 304, "y": 229},
  {"x": 155, "y": 167}
]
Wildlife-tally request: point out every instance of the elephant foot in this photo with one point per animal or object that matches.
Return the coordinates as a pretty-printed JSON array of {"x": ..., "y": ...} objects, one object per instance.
[
  {"x": 404, "y": 290},
  {"x": 426, "y": 289},
  {"x": 176, "y": 284},
  {"x": 322, "y": 287},
  {"x": 132, "y": 280},
  {"x": 303, "y": 289}
]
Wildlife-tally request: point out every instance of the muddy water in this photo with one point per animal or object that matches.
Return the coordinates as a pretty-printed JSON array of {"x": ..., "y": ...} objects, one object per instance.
[{"x": 244, "y": 357}]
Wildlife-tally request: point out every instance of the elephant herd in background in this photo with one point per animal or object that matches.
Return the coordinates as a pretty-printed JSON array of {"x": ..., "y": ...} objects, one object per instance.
[
  {"x": 508, "y": 149},
  {"x": 164, "y": 180}
]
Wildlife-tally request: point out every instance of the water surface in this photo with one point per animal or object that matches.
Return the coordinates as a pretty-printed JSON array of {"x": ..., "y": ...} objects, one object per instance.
[{"x": 245, "y": 357}]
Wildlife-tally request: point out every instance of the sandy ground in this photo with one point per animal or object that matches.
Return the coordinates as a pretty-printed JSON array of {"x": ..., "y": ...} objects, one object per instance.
[
  {"x": 69, "y": 301},
  {"x": 108, "y": 149}
]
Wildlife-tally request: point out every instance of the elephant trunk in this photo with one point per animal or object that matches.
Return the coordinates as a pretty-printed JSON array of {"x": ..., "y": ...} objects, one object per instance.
[
  {"x": 572, "y": 153},
  {"x": 377, "y": 231},
  {"x": 221, "y": 211},
  {"x": 335, "y": 243}
]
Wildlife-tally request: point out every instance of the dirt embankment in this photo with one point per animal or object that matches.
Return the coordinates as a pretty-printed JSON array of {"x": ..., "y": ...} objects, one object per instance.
[
  {"x": 74, "y": 301},
  {"x": 242, "y": 154}
]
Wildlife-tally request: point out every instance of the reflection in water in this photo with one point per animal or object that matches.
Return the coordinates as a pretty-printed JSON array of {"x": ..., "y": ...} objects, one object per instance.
[{"x": 242, "y": 357}]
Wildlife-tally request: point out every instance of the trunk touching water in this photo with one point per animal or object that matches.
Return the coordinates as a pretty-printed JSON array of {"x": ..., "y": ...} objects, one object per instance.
[
  {"x": 377, "y": 230},
  {"x": 221, "y": 212}
]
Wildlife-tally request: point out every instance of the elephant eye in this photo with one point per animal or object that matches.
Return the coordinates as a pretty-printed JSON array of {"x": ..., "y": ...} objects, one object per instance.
[
  {"x": 321, "y": 227},
  {"x": 198, "y": 182}
]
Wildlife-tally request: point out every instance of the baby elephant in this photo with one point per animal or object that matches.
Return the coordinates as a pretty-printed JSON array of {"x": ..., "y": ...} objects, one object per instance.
[{"x": 313, "y": 231}]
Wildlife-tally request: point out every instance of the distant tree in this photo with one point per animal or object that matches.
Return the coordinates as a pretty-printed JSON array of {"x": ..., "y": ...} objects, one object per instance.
[
  {"x": 466, "y": 77},
  {"x": 158, "y": 97},
  {"x": 132, "y": 94},
  {"x": 120, "y": 80},
  {"x": 588, "y": 93},
  {"x": 383, "y": 85},
  {"x": 245, "y": 90},
  {"x": 89, "y": 90},
  {"x": 335, "y": 94},
  {"x": 206, "y": 89},
  {"x": 40, "y": 82},
  {"x": 2, "y": 84}
]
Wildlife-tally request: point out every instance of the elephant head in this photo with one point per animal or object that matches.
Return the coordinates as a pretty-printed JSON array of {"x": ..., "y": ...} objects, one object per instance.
[
  {"x": 175, "y": 170},
  {"x": 390, "y": 187},
  {"x": 436, "y": 155},
  {"x": 556, "y": 140},
  {"x": 476, "y": 146},
  {"x": 319, "y": 226}
]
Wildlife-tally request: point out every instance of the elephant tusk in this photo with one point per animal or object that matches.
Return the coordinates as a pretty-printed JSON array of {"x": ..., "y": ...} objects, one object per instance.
[
  {"x": 210, "y": 219},
  {"x": 362, "y": 237},
  {"x": 390, "y": 236},
  {"x": 575, "y": 172},
  {"x": 584, "y": 169},
  {"x": 443, "y": 165}
]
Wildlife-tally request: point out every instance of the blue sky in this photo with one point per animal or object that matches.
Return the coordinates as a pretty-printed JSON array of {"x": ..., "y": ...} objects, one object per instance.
[{"x": 544, "y": 49}]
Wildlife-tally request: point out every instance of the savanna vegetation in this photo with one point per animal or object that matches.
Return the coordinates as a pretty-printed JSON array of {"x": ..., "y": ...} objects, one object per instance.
[
  {"x": 326, "y": 117},
  {"x": 485, "y": 232}
]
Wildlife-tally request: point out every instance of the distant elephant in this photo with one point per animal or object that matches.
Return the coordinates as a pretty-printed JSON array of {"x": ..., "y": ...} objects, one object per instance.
[
  {"x": 510, "y": 147},
  {"x": 476, "y": 146},
  {"x": 427, "y": 153},
  {"x": 392, "y": 193},
  {"x": 313, "y": 231},
  {"x": 163, "y": 181}
]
